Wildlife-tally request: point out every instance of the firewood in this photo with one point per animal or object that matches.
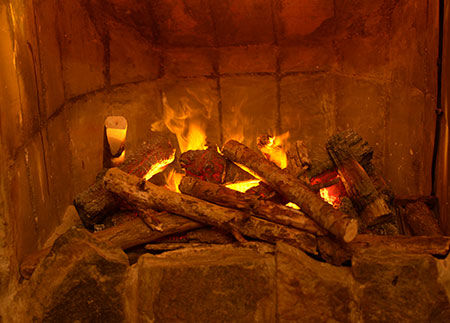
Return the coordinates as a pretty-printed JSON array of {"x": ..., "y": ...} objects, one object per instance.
[
  {"x": 209, "y": 165},
  {"x": 298, "y": 161},
  {"x": 421, "y": 221},
  {"x": 338, "y": 223},
  {"x": 114, "y": 136},
  {"x": 146, "y": 195},
  {"x": 270, "y": 211},
  {"x": 126, "y": 235},
  {"x": 357, "y": 183},
  {"x": 95, "y": 203},
  {"x": 438, "y": 245}
]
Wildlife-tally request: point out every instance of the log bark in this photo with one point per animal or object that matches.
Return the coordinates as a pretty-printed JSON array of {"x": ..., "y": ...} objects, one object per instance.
[
  {"x": 421, "y": 221},
  {"x": 126, "y": 235},
  {"x": 95, "y": 203},
  {"x": 338, "y": 223},
  {"x": 270, "y": 211},
  {"x": 357, "y": 183},
  {"x": 146, "y": 195}
]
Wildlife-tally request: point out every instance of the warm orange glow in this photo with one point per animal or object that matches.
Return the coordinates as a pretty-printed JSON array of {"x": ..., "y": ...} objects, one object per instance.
[
  {"x": 292, "y": 205},
  {"x": 173, "y": 180},
  {"x": 159, "y": 167},
  {"x": 244, "y": 185},
  {"x": 325, "y": 195},
  {"x": 274, "y": 150}
]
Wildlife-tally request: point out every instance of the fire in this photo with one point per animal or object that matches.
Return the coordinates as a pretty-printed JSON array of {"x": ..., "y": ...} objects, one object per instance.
[
  {"x": 244, "y": 185},
  {"x": 327, "y": 197},
  {"x": 273, "y": 148},
  {"x": 159, "y": 167},
  {"x": 292, "y": 205},
  {"x": 173, "y": 180}
]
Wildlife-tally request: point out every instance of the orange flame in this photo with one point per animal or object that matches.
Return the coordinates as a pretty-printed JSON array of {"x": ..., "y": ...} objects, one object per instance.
[
  {"x": 274, "y": 150},
  {"x": 325, "y": 195},
  {"x": 292, "y": 205},
  {"x": 159, "y": 167},
  {"x": 173, "y": 180},
  {"x": 244, "y": 185}
]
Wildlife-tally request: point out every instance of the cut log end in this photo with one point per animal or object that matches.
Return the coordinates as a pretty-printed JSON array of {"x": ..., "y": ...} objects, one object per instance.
[{"x": 351, "y": 230}]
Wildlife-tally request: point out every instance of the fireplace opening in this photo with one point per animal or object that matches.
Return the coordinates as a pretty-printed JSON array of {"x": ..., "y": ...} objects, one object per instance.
[{"x": 316, "y": 117}]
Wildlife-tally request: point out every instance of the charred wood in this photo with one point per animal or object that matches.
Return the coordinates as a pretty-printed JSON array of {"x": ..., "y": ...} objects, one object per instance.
[
  {"x": 339, "y": 224},
  {"x": 421, "y": 220}
]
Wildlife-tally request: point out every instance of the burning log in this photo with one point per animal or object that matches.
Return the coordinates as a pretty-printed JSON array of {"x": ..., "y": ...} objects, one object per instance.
[
  {"x": 298, "y": 161},
  {"x": 126, "y": 235},
  {"x": 208, "y": 165},
  {"x": 358, "y": 184},
  {"x": 146, "y": 195},
  {"x": 114, "y": 136},
  {"x": 224, "y": 196},
  {"x": 339, "y": 224},
  {"x": 95, "y": 203}
]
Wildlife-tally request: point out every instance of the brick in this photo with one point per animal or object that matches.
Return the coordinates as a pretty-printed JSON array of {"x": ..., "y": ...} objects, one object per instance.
[
  {"x": 243, "y": 22},
  {"x": 247, "y": 59},
  {"x": 302, "y": 18},
  {"x": 183, "y": 22},
  {"x": 307, "y": 108},
  {"x": 133, "y": 57},
  {"x": 188, "y": 61},
  {"x": 249, "y": 107},
  {"x": 81, "y": 49},
  {"x": 307, "y": 58}
]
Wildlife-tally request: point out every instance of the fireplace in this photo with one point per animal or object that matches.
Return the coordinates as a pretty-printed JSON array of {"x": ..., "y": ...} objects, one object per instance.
[{"x": 236, "y": 69}]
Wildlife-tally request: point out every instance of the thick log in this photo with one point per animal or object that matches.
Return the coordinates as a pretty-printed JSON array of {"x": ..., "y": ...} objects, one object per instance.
[
  {"x": 357, "y": 183},
  {"x": 338, "y": 223},
  {"x": 270, "y": 211},
  {"x": 95, "y": 203},
  {"x": 146, "y": 195},
  {"x": 421, "y": 221},
  {"x": 126, "y": 235},
  {"x": 438, "y": 246},
  {"x": 114, "y": 136}
]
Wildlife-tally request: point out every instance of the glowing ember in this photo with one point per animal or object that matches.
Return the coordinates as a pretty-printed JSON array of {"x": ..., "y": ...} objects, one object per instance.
[
  {"x": 159, "y": 167},
  {"x": 272, "y": 148},
  {"x": 243, "y": 186},
  {"x": 173, "y": 180},
  {"x": 327, "y": 197},
  {"x": 292, "y": 205}
]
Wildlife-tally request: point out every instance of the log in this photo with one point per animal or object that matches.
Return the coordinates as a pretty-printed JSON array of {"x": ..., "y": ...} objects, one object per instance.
[
  {"x": 358, "y": 185},
  {"x": 146, "y": 195},
  {"x": 437, "y": 246},
  {"x": 95, "y": 203},
  {"x": 114, "y": 136},
  {"x": 126, "y": 235},
  {"x": 338, "y": 223},
  {"x": 298, "y": 160},
  {"x": 421, "y": 221},
  {"x": 267, "y": 210}
]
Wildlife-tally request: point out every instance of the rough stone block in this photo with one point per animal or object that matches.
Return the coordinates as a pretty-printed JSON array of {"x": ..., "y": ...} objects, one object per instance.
[
  {"x": 301, "y": 18},
  {"x": 363, "y": 105},
  {"x": 307, "y": 108},
  {"x": 307, "y": 58},
  {"x": 81, "y": 49},
  {"x": 400, "y": 287},
  {"x": 183, "y": 22},
  {"x": 249, "y": 107},
  {"x": 132, "y": 56},
  {"x": 191, "y": 102},
  {"x": 188, "y": 62},
  {"x": 49, "y": 55},
  {"x": 243, "y": 22},
  {"x": 81, "y": 280},
  {"x": 220, "y": 284},
  {"x": 247, "y": 59},
  {"x": 406, "y": 145},
  {"x": 313, "y": 291}
]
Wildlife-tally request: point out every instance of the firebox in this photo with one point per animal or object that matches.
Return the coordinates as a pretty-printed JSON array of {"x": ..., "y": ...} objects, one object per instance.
[{"x": 271, "y": 75}]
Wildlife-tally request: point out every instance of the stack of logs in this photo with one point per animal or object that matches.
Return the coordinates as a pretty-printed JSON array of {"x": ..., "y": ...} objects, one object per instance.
[{"x": 317, "y": 228}]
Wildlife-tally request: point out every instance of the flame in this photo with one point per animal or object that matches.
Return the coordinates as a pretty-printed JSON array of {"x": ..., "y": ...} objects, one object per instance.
[
  {"x": 159, "y": 167},
  {"x": 292, "y": 205},
  {"x": 244, "y": 185},
  {"x": 273, "y": 149},
  {"x": 173, "y": 180},
  {"x": 327, "y": 197}
]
